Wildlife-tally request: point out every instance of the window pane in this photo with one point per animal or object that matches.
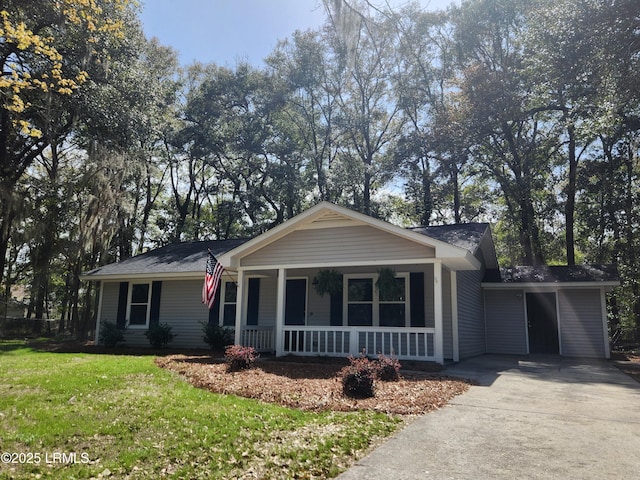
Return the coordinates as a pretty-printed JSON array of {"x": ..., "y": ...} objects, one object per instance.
[
  {"x": 360, "y": 290},
  {"x": 229, "y": 318},
  {"x": 138, "y": 315},
  {"x": 360, "y": 314},
  {"x": 140, "y": 293},
  {"x": 392, "y": 315},
  {"x": 398, "y": 296},
  {"x": 230, "y": 292}
]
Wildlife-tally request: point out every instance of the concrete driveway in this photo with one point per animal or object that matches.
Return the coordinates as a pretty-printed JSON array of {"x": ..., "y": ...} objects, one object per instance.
[{"x": 529, "y": 418}]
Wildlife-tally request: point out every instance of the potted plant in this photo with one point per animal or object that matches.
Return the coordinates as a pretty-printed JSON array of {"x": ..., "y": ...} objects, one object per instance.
[
  {"x": 387, "y": 284},
  {"x": 328, "y": 281}
]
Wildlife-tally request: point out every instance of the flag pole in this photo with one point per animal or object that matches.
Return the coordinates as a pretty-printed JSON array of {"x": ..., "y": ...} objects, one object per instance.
[{"x": 224, "y": 271}]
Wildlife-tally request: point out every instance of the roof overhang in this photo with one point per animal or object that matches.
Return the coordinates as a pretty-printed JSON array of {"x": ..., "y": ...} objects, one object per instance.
[
  {"x": 547, "y": 285},
  {"x": 141, "y": 276}
]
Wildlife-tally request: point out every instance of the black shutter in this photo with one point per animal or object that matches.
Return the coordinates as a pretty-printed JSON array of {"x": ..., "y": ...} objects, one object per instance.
[
  {"x": 253, "y": 299},
  {"x": 214, "y": 312},
  {"x": 154, "y": 314},
  {"x": 335, "y": 310},
  {"x": 416, "y": 286},
  {"x": 123, "y": 295}
]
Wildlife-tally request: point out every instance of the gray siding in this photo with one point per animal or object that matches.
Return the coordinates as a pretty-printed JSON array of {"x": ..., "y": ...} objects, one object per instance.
[
  {"x": 447, "y": 328},
  {"x": 581, "y": 323},
  {"x": 504, "y": 320},
  {"x": 471, "y": 328},
  {"x": 267, "y": 303},
  {"x": 109, "y": 310},
  {"x": 333, "y": 245},
  {"x": 180, "y": 307}
]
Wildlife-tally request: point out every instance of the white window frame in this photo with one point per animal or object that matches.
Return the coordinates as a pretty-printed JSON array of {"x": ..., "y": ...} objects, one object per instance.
[
  {"x": 407, "y": 302},
  {"x": 376, "y": 302},
  {"x": 148, "y": 304},
  {"x": 223, "y": 302}
]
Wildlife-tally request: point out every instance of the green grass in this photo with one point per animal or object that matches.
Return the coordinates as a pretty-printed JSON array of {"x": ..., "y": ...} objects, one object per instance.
[{"x": 123, "y": 414}]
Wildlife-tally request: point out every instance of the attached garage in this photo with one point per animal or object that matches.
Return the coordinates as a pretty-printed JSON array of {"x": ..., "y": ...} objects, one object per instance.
[{"x": 552, "y": 310}]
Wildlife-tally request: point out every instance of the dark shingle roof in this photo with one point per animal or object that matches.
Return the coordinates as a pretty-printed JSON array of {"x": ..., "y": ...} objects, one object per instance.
[
  {"x": 464, "y": 235},
  {"x": 553, "y": 274},
  {"x": 184, "y": 257}
]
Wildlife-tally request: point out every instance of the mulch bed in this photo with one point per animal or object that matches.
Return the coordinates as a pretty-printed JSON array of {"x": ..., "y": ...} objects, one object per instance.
[{"x": 316, "y": 386}]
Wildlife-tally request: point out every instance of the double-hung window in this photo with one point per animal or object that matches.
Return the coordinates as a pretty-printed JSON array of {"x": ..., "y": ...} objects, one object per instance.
[
  {"x": 139, "y": 303},
  {"x": 360, "y": 301},
  {"x": 365, "y": 305},
  {"x": 229, "y": 303},
  {"x": 393, "y": 305}
]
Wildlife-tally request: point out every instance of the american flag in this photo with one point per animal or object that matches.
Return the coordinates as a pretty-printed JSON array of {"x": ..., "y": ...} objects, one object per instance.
[{"x": 211, "y": 280}]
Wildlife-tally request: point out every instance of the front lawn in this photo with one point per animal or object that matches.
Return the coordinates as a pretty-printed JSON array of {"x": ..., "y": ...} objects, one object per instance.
[{"x": 82, "y": 415}]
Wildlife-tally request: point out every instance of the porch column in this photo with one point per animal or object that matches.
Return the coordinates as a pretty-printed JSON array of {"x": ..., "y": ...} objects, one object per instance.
[
  {"x": 438, "y": 340},
  {"x": 454, "y": 316},
  {"x": 280, "y": 303},
  {"x": 239, "y": 308},
  {"x": 605, "y": 326}
]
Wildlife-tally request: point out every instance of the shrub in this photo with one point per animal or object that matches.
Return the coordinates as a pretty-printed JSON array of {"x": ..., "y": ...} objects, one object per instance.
[
  {"x": 239, "y": 357},
  {"x": 217, "y": 337},
  {"x": 159, "y": 335},
  {"x": 388, "y": 368},
  {"x": 110, "y": 335},
  {"x": 358, "y": 378}
]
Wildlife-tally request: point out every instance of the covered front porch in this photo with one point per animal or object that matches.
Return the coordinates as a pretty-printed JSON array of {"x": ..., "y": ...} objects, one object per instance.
[
  {"x": 278, "y": 304},
  {"x": 280, "y": 311}
]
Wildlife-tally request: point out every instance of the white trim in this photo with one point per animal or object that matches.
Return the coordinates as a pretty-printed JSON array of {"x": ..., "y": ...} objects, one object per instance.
[
  {"x": 605, "y": 322},
  {"x": 239, "y": 308},
  {"x": 363, "y": 263},
  {"x": 345, "y": 298},
  {"x": 281, "y": 293},
  {"x": 558, "y": 322},
  {"x": 526, "y": 319},
  {"x": 223, "y": 303},
  {"x": 438, "y": 339},
  {"x": 552, "y": 285},
  {"x": 129, "y": 305},
  {"x": 96, "y": 339},
  {"x": 454, "y": 316},
  {"x": 122, "y": 277}
]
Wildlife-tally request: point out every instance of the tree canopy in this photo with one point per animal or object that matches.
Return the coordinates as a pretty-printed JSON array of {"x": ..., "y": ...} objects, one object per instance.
[{"x": 521, "y": 113}]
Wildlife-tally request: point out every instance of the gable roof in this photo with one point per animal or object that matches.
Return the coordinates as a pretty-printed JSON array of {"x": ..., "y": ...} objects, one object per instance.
[
  {"x": 460, "y": 244},
  {"x": 178, "y": 259},
  {"x": 325, "y": 215},
  {"x": 545, "y": 274}
]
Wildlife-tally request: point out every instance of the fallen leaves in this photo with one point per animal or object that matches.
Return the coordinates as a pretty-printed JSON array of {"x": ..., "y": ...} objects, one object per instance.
[{"x": 315, "y": 387}]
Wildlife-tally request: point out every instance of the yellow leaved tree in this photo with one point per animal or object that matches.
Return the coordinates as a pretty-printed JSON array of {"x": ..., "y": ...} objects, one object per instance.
[{"x": 50, "y": 51}]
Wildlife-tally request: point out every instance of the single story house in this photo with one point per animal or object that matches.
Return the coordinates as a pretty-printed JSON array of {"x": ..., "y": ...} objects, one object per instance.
[{"x": 450, "y": 299}]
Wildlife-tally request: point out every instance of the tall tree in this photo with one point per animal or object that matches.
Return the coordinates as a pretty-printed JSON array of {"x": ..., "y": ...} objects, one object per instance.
[
  {"x": 510, "y": 141},
  {"x": 47, "y": 53},
  {"x": 369, "y": 116}
]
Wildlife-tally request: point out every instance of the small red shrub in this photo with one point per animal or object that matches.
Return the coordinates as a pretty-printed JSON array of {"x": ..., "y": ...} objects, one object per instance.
[{"x": 239, "y": 357}]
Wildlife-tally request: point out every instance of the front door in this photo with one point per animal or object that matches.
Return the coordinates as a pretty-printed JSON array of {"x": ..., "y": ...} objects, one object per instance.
[
  {"x": 542, "y": 321},
  {"x": 295, "y": 310}
]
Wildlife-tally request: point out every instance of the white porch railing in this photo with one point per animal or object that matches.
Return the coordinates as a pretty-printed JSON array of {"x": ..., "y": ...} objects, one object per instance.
[
  {"x": 403, "y": 343},
  {"x": 260, "y": 338}
]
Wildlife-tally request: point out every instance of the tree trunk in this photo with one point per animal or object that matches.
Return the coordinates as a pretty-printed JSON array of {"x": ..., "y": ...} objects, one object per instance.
[{"x": 570, "y": 205}]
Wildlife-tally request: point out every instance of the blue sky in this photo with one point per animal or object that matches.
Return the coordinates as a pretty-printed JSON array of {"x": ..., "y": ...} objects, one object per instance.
[{"x": 228, "y": 31}]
